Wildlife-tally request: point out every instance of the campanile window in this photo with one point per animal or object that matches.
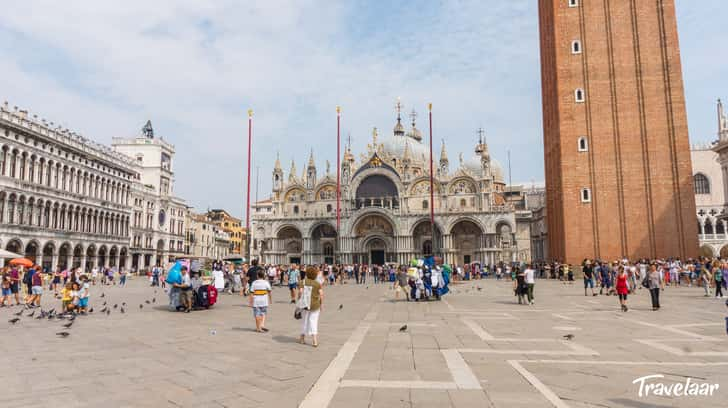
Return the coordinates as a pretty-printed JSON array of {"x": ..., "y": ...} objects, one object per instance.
[
  {"x": 579, "y": 95},
  {"x": 573, "y": 3},
  {"x": 585, "y": 195},
  {"x": 576, "y": 47}
]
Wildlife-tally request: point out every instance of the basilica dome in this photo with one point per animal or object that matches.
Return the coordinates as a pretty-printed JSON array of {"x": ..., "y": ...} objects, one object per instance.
[
  {"x": 474, "y": 166},
  {"x": 395, "y": 147}
]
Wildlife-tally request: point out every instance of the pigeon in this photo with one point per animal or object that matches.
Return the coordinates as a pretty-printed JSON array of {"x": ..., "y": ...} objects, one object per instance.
[
  {"x": 102, "y": 295},
  {"x": 147, "y": 302},
  {"x": 403, "y": 328},
  {"x": 104, "y": 304},
  {"x": 19, "y": 313},
  {"x": 154, "y": 300},
  {"x": 341, "y": 307},
  {"x": 479, "y": 288},
  {"x": 367, "y": 287},
  {"x": 569, "y": 337},
  {"x": 68, "y": 325},
  {"x": 141, "y": 306},
  {"x": 63, "y": 334},
  {"x": 108, "y": 312},
  {"x": 14, "y": 320},
  {"x": 104, "y": 309},
  {"x": 31, "y": 313},
  {"x": 116, "y": 305},
  {"x": 123, "y": 303},
  {"x": 122, "y": 310},
  {"x": 91, "y": 310}
]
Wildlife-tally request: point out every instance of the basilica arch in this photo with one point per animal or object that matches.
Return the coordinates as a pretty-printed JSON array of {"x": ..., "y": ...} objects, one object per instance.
[
  {"x": 288, "y": 245},
  {"x": 466, "y": 239},
  {"x": 423, "y": 243},
  {"x": 322, "y": 244},
  {"x": 374, "y": 233}
]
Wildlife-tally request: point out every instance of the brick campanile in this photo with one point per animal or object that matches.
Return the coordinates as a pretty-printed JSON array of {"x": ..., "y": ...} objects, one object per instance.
[{"x": 617, "y": 155}]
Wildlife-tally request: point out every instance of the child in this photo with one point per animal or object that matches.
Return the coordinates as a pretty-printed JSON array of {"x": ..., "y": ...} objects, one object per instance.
[
  {"x": 261, "y": 290},
  {"x": 6, "y": 292},
  {"x": 75, "y": 296},
  {"x": 83, "y": 294},
  {"x": 66, "y": 297}
]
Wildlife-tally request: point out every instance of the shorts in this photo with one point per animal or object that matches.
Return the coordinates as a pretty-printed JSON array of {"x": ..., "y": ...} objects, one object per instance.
[
  {"x": 14, "y": 287},
  {"x": 588, "y": 283},
  {"x": 622, "y": 297},
  {"x": 57, "y": 279},
  {"x": 7, "y": 292},
  {"x": 37, "y": 290},
  {"x": 259, "y": 311},
  {"x": 66, "y": 303},
  {"x": 83, "y": 302},
  {"x": 293, "y": 286}
]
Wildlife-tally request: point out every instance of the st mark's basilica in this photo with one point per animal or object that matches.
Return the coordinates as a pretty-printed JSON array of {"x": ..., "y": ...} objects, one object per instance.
[{"x": 385, "y": 207}]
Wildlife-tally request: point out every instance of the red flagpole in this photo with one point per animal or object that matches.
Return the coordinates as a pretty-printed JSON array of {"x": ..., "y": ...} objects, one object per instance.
[
  {"x": 432, "y": 185},
  {"x": 247, "y": 208},
  {"x": 338, "y": 169}
]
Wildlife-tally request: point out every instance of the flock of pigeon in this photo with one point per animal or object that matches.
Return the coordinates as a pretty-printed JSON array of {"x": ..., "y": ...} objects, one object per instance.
[{"x": 53, "y": 315}]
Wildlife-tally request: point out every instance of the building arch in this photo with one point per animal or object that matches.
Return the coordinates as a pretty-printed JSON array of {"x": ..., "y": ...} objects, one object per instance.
[
  {"x": 466, "y": 235},
  {"x": 65, "y": 252},
  {"x": 15, "y": 245},
  {"x": 462, "y": 185},
  {"x": 707, "y": 251},
  {"x": 32, "y": 250},
  {"x": 422, "y": 238},
  {"x": 49, "y": 251}
]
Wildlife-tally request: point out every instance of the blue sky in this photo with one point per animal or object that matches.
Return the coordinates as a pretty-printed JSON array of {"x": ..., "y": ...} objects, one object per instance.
[{"x": 194, "y": 68}]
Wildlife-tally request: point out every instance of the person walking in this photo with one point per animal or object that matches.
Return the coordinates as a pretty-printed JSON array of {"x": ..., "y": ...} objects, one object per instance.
[
  {"x": 529, "y": 278},
  {"x": 293, "y": 278},
  {"x": 655, "y": 283},
  {"x": 588, "y": 277},
  {"x": 706, "y": 278},
  {"x": 622, "y": 287},
  {"x": 312, "y": 294},
  {"x": 260, "y": 299},
  {"x": 718, "y": 279}
]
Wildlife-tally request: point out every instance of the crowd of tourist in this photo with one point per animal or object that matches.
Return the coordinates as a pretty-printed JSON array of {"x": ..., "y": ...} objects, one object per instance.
[{"x": 413, "y": 282}]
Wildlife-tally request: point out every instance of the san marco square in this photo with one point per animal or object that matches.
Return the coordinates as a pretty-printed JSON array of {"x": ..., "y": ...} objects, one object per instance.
[{"x": 292, "y": 204}]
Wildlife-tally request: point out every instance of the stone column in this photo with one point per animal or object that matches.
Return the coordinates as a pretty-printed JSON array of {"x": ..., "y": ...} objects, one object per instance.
[{"x": 54, "y": 260}]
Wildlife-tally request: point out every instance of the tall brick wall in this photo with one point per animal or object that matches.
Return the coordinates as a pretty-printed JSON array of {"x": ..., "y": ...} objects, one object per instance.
[{"x": 637, "y": 165}]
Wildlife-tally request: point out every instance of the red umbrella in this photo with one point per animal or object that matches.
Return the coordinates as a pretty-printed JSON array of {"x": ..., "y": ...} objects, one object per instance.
[{"x": 22, "y": 262}]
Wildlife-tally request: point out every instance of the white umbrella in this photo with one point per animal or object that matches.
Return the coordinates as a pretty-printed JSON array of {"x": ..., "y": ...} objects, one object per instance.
[{"x": 8, "y": 254}]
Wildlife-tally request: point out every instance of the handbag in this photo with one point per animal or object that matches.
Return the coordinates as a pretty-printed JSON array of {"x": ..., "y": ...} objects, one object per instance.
[{"x": 646, "y": 282}]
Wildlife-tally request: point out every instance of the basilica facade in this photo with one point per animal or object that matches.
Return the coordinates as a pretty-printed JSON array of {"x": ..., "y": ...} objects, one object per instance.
[{"x": 385, "y": 207}]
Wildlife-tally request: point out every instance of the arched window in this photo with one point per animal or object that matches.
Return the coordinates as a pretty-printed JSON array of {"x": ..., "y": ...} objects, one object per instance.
[
  {"x": 702, "y": 185},
  {"x": 425, "y": 204},
  {"x": 295, "y": 209},
  {"x": 576, "y": 47},
  {"x": 579, "y": 95},
  {"x": 463, "y": 203},
  {"x": 708, "y": 227},
  {"x": 583, "y": 144},
  {"x": 328, "y": 207}
]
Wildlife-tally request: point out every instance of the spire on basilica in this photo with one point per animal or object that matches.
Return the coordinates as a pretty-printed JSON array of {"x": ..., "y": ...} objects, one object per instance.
[
  {"x": 398, "y": 128},
  {"x": 278, "y": 161},
  {"x": 406, "y": 157},
  {"x": 444, "y": 162},
  {"x": 481, "y": 148},
  {"x": 292, "y": 173},
  {"x": 414, "y": 133},
  {"x": 311, "y": 162}
]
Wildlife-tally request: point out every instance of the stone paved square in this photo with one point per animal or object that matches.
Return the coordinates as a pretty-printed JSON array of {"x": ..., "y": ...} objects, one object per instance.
[{"x": 476, "y": 348}]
